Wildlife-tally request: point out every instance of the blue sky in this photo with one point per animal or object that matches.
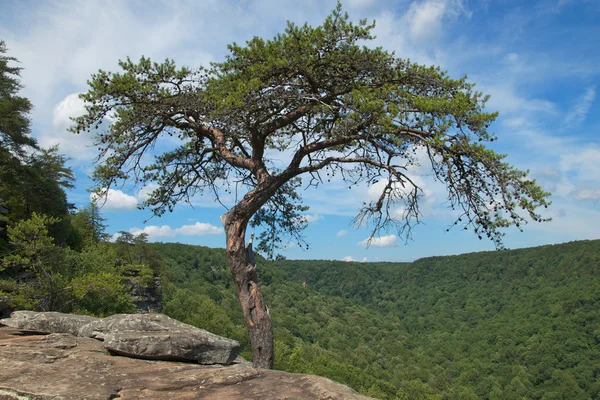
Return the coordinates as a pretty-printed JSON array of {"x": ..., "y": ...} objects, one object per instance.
[{"x": 539, "y": 60}]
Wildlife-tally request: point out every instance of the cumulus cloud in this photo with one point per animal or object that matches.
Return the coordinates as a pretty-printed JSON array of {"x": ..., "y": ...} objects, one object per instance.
[
  {"x": 75, "y": 146},
  {"x": 69, "y": 107},
  {"x": 341, "y": 233},
  {"x": 348, "y": 259},
  {"x": 197, "y": 229},
  {"x": 114, "y": 200},
  {"x": 425, "y": 19},
  {"x": 382, "y": 241},
  {"x": 145, "y": 191},
  {"x": 117, "y": 235},
  {"x": 312, "y": 218}
]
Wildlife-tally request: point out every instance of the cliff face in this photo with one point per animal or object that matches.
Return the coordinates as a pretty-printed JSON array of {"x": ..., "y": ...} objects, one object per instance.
[
  {"x": 64, "y": 366},
  {"x": 146, "y": 298}
]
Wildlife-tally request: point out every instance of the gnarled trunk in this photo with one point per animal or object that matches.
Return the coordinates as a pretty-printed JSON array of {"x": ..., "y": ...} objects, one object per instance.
[{"x": 243, "y": 269}]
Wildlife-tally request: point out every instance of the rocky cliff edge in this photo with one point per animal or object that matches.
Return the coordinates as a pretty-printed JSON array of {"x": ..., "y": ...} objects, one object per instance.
[{"x": 63, "y": 366}]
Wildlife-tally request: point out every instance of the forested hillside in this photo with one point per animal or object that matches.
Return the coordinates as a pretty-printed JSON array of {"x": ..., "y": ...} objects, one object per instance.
[
  {"x": 53, "y": 256},
  {"x": 496, "y": 325}
]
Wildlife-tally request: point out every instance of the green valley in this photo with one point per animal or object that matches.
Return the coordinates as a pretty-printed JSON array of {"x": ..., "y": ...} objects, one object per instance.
[{"x": 494, "y": 325}]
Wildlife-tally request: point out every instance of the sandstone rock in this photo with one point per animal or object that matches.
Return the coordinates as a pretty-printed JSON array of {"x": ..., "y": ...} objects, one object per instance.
[
  {"x": 203, "y": 347},
  {"x": 128, "y": 322},
  {"x": 64, "y": 367},
  {"x": 158, "y": 337},
  {"x": 146, "y": 298},
  {"x": 47, "y": 322}
]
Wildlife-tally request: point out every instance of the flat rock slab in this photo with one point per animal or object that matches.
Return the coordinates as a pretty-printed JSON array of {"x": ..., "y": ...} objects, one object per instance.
[
  {"x": 61, "y": 366},
  {"x": 47, "y": 322},
  {"x": 158, "y": 337}
]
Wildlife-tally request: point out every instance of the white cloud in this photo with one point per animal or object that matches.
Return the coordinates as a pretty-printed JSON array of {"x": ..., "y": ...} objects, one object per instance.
[
  {"x": 117, "y": 235},
  {"x": 581, "y": 109},
  {"x": 197, "y": 229},
  {"x": 312, "y": 218},
  {"x": 425, "y": 19},
  {"x": 154, "y": 231},
  {"x": 69, "y": 107},
  {"x": 382, "y": 241},
  {"x": 77, "y": 146},
  {"x": 588, "y": 194},
  {"x": 571, "y": 221},
  {"x": 114, "y": 200},
  {"x": 348, "y": 259},
  {"x": 145, "y": 191},
  {"x": 584, "y": 161},
  {"x": 341, "y": 233},
  {"x": 506, "y": 98},
  {"x": 364, "y": 259}
]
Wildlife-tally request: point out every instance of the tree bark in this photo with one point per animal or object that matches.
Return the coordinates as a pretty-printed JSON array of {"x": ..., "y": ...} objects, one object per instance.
[{"x": 243, "y": 269}]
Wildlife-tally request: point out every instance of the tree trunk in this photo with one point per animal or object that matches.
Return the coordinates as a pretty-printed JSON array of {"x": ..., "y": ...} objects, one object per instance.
[{"x": 243, "y": 269}]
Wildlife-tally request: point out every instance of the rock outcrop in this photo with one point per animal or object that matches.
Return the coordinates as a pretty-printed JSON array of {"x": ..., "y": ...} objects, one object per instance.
[
  {"x": 150, "y": 336},
  {"x": 158, "y": 337},
  {"x": 47, "y": 322},
  {"x": 63, "y": 366},
  {"x": 147, "y": 298}
]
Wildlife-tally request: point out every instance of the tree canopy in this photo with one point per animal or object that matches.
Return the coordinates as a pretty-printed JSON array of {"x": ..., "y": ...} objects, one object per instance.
[
  {"x": 328, "y": 104},
  {"x": 32, "y": 179},
  {"x": 491, "y": 325},
  {"x": 53, "y": 258},
  {"x": 14, "y": 109},
  {"x": 309, "y": 104}
]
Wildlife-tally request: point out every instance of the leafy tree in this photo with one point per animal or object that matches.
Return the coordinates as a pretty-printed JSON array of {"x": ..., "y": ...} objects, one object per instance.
[
  {"x": 89, "y": 226},
  {"x": 31, "y": 179},
  {"x": 337, "y": 108},
  {"x": 48, "y": 277},
  {"x": 43, "y": 184},
  {"x": 15, "y": 137},
  {"x": 97, "y": 283},
  {"x": 35, "y": 251}
]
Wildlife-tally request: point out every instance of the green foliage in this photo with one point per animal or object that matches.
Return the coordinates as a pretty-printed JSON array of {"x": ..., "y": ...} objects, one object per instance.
[
  {"x": 97, "y": 285},
  {"x": 14, "y": 111},
  {"x": 198, "y": 290},
  {"x": 326, "y": 104},
  {"x": 51, "y": 278},
  {"x": 51, "y": 259},
  {"x": 317, "y": 94},
  {"x": 87, "y": 227},
  {"x": 35, "y": 252},
  {"x": 497, "y": 325},
  {"x": 31, "y": 179},
  {"x": 101, "y": 294}
]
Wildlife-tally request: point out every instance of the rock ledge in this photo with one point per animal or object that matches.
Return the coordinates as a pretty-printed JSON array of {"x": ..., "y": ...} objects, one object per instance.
[
  {"x": 149, "y": 336},
  {"x": 63, "y": 366}
]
